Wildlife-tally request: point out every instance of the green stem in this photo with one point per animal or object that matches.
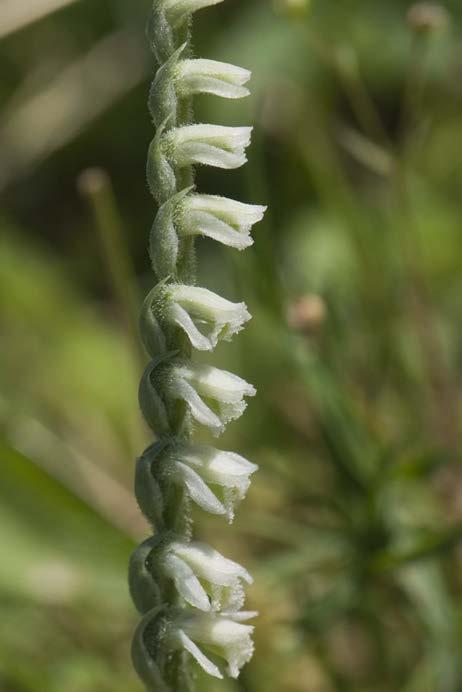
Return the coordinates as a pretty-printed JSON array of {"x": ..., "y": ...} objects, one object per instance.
[{"x": 95, "y": 186}]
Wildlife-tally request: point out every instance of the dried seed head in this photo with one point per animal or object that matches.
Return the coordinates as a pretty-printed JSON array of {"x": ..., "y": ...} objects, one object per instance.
[{"x": 307, "y": 314}]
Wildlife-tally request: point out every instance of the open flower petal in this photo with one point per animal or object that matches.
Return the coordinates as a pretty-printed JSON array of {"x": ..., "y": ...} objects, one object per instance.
[
  {"x": 225, "y": 220},
  {"x": 204, "y": 577},
  {"x": 205, "y": 663},
  {"x": 202, "y": 387},
  {"x": 226, "y": 637},
  {"x": 204, "y": 316},
  {"x": 196, "y": 466},
  {"x": 197, "y": 488},
  {"x": 186, "y": 581}
]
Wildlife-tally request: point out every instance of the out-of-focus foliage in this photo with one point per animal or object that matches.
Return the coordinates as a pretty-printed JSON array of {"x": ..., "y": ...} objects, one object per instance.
[{"x": 354, "y": 521}]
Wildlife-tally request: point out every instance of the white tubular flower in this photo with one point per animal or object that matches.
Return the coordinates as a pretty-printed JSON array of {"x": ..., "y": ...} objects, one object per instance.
[
  {"x": 211, "y": 77},
  {"x": 177, "y": 10},
  {"x": 197, "y": 466},
  {"x": 204, "y": 316},
  {"x": 210, "y": 145},
  {"x": 225, "y": 636},
  {"x": 222, "y": 219},
  {"x": 214, "y": 396},
  {"x": 191, "y": 565}
]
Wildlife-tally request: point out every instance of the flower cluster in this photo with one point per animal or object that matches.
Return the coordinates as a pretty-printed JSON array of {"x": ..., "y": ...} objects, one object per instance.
[{"x": 190, "y": 596}]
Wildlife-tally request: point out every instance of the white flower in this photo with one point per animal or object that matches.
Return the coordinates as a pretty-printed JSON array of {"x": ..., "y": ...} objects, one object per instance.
[
  {"x": 191, "y": 565},
  {"x": 211, "y": 145},
  {"x": 185, "y": 78},
  {"x": 225, "y": 636},
  {"x": 211, "y": 77},
  {"x": 203, "y": 315},
  {"x": 219, "y": 218},
  {"x": 213, "y": 396},
  {"x": 186, "y": 214},
  {"x": 197, "y": 466},
  {"x": 178, "y": 9}
]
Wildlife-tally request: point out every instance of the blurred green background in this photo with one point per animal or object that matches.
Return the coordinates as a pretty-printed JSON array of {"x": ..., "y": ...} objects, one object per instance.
[{"x": 352, "y": 528}]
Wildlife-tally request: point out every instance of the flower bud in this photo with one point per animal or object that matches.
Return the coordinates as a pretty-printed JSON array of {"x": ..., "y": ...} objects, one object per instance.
[{"x": 210, "y": 145}]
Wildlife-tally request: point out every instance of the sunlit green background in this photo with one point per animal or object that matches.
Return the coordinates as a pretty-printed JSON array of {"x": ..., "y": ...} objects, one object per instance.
[{"x": 352, "y": 526}]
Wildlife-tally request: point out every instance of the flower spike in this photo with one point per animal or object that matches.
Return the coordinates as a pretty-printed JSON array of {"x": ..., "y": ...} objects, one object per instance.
[{"x": 189, "y": 595}]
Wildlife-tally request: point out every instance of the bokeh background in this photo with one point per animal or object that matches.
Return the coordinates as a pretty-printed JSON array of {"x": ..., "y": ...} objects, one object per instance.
[{"x": 352, "y": 528}]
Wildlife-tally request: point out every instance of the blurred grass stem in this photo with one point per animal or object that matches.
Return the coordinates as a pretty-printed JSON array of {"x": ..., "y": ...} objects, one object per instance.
[
  {"x": 344, "y": 63},
  {"x": 444, "y": 399},
  {"x": 415, "y": 82},
  {"x": 95, "y": 186}
]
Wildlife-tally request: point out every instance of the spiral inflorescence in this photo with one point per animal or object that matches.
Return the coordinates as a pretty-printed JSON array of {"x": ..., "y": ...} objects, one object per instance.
[{"x": 190, "y": 596}]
